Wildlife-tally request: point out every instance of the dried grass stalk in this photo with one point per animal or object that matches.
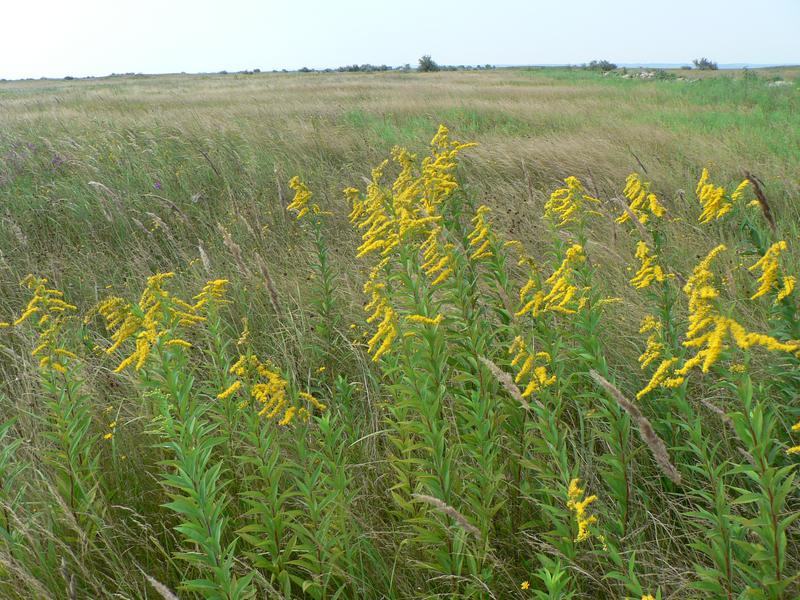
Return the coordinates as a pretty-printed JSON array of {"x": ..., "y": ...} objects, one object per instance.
[
  {"x": 508, "y": 383},
  {"x": 646, "y": 431},
  {"x": 450, "y": 512},
  {"x": 165, "y": 592}
]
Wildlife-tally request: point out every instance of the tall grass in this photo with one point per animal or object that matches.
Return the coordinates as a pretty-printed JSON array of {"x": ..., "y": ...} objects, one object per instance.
[{"x": 231, "y": 388}]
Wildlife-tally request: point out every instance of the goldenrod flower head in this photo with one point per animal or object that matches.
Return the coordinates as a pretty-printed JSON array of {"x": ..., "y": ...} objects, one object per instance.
[
  {"x": 567, "y": 204},
  {"x": 52, "y": 312},
  {"x": 769, "y": 265},
  {"x": 577, "y": 503},
  {"x": 538, "y": 377},
  {"x": 156, "y": 316},
  {"x": 380, "y": 308},
  {"x": 654, "y": 345},
  {"x": 214, "y": 291},
  {"x": 302, "y": 195},
  {"x": 481, "y": 238},
  {"x": 563, "y": 296},
  {"x": 230, "y": 390},
  {"x": 709, "y": 330},
  {"x": 712, "y": 198},
  {"x": 425, "y": 320},
  {"x": 269, "y": 389},
  {"x": 649, "y": 271},
  {"x": 739, "y": 191},
  {"x": 643, "y": 201}
]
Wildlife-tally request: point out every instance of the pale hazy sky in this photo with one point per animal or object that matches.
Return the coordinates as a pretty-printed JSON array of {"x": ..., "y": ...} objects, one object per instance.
[{"x": 97, "y": 37}]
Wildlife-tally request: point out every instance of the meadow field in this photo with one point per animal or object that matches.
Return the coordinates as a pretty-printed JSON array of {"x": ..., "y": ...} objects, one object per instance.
[{"x": 514, "y": 333}]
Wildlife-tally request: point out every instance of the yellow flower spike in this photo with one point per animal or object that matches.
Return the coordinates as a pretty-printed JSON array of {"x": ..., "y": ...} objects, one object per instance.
[
  {"x": 712, "y": 199},
  {"x": 709, "y": 330},
  {"x": 230, "y": 390},
  {"x": 769, "y": 265},
  {"x": 739, "y": 191},
  {"x": 302, "y": 195},
  {"x": 567, "y": 204},
  {"x": 314, "y": 402},
  {"x": 538, "y": 376},
  {"x": 642, "y": 200},
  {"x": 562, "y": 296},
  {"x": 179, "y": 342},
  {"x": 658, "y": 378},
  {"x": 481, "y": 236},
  {"x": 288, "y": 416},
  {"x": 649, "y": 271},
  {"x": 424, "y": 320},
  {"x": 654, "y": 345},
  {"x": 789, "y": 283},
  {"x": 577, "y": 503},
  {"x": 214, "y": 291}
]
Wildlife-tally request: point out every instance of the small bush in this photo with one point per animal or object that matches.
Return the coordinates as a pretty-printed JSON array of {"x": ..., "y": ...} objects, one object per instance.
[
  {"x": 600, "y": 65},
  {"x": 704, "y": 64},
  {"x": 664, "y": 75}
]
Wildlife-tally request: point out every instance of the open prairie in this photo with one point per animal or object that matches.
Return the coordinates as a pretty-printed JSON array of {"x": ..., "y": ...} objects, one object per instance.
[{"x": 240, "y": 356}]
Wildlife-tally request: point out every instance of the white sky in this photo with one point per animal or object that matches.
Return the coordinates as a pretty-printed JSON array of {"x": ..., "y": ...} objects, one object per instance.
[{"x": 98, "y": 37}]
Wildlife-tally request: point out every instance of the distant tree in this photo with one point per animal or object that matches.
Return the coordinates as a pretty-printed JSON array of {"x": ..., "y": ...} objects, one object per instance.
[
  {"x": 600, "y": 65},
  {"x": 427, "y": 64},
  {"x": 705, "y": 64}
]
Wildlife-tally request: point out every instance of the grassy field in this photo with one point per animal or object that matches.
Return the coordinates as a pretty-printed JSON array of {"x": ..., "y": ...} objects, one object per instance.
[{"x": 266, "y": 438}]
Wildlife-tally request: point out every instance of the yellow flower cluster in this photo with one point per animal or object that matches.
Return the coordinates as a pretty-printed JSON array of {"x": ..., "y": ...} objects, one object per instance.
[
  {"x": 389, "y": 217},
  {"x": 438, "y": 169},
  {"x": 712, "y": 198},
  {"x": 380, "y": 309},
  {"x": 739, "y": 191},
  {"x": 566, "y": 204},
  {"x": 649, "y": 271},
  {"x": 643, "y": 201},
  {"x": 795, "y": 449},
  {"x": 269, "y": 389},
  {"x": 301, "y": 197},
  {"x": 480, "y": 238},
  {"x": 372, "y": 215},
  {"x": 213, "y": 292},
  {"x": 156, "y": 315},
  {"x": 425, "y": 320},
  {"x": 769, "y": 265},
  {"x": 539, "y": 378},
  {"x": 709, "y": 330},
  {"x": 112, "y": 428},
  {"x": 48, "y": 308},
  {"x": 577, "y": 503},
  {"x": 654, "y": 348},
  {"x": 437, "y": 258},
  {"x": 562, "y": 295}
]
